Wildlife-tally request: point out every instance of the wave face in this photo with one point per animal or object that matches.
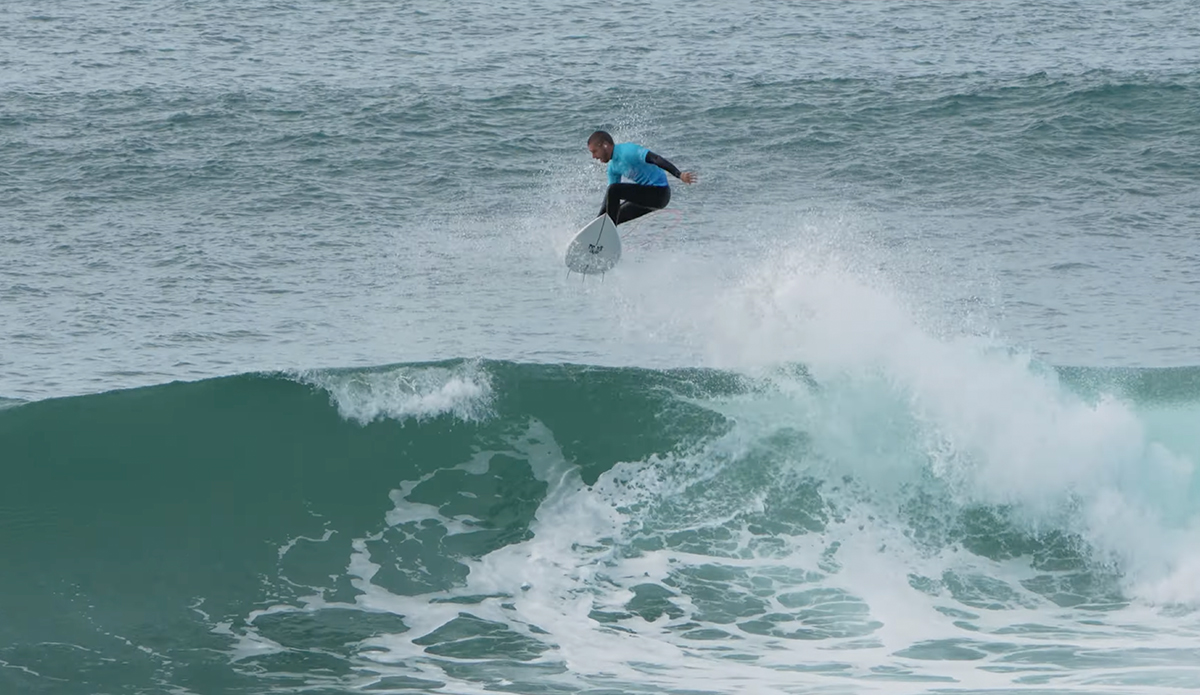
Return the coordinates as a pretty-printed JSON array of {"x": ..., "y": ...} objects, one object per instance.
[{"x": 471, "y": 526}]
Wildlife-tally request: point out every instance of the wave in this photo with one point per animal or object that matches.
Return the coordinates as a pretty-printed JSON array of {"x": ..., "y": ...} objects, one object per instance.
[
  {"x": 412, "y": 491},
  {"x": 224, "y": 443}
]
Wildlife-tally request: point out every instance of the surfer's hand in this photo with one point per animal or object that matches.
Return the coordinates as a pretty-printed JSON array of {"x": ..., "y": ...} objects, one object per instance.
[{"x": 687, "y": 177}]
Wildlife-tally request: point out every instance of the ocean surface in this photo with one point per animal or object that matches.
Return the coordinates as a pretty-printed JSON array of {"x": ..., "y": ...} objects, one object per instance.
[{"x": 297, "y": 397}]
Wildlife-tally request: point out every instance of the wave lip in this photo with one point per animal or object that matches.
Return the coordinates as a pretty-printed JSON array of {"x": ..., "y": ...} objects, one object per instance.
[{"x": 407, "y": 392}]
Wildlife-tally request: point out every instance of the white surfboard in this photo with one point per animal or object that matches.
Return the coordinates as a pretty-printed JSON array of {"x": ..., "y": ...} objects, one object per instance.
[{"x": 596, "y": 248}]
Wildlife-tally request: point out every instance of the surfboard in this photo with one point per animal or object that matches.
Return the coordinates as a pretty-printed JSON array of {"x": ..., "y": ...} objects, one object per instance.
[{"x": 596, "y": 248}]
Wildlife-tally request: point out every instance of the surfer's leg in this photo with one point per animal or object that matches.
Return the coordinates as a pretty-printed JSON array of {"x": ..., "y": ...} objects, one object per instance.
[
  {"x": 638, "y": 200},
  {"x": 612, "y": 199},
  {"x": 632, "y": 211}
]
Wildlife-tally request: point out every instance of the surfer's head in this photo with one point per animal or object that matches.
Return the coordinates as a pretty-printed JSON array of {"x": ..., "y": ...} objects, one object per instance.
[{"x": 600, "y": 144}]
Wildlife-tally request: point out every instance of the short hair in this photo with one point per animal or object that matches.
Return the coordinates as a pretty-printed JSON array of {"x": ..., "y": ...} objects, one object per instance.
[{"x": 599, "y": 137}]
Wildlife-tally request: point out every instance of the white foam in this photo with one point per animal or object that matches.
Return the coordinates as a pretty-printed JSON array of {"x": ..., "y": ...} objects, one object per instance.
[
  {"x": 578, "y": 560},
  {"x": 408, "y": 392},
  {"x": 988, "y": 420}
]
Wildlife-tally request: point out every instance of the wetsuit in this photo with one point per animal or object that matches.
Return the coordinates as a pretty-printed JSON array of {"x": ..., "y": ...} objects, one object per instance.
[{"x": 649, "y": 190}]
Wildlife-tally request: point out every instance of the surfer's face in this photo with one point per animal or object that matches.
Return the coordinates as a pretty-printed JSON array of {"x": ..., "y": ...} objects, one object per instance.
[{"x": 601, "y": 151}]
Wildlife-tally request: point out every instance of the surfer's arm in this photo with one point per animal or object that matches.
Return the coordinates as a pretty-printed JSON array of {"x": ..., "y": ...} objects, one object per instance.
[{"x": 662, "y": 163}]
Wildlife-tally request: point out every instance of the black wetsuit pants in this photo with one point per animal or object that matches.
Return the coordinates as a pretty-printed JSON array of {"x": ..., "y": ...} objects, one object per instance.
[{"x": 638, "y": 200}]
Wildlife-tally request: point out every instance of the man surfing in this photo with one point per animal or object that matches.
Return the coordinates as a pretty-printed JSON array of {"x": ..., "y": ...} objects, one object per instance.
[{"x": 649, "y": 191}]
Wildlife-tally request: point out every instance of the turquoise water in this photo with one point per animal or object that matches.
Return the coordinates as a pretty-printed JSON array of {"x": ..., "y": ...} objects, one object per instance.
[
  {"x": 296, "y": 396},
  {"x": 473, "y": 526}
]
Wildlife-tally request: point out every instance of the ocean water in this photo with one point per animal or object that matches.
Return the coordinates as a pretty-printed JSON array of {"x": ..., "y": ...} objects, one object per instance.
[{"x": 296, "y": 396}]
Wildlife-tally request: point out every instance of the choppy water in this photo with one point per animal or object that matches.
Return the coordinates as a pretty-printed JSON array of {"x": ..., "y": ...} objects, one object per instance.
[{"x": 901, "y": 397}]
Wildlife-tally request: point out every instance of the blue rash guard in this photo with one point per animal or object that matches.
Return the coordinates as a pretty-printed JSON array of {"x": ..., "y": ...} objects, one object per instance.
[
  {"x": 648, "y": 192},
  {"x": 629, "y": 160}
]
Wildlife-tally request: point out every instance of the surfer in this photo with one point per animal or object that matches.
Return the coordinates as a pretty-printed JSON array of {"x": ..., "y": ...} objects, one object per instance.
[{"x": 648, "y": 192}]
